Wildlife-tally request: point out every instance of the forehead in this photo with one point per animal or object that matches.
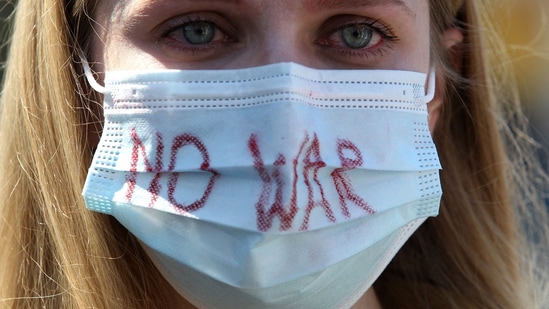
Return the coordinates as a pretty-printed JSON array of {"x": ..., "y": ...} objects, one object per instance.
[
  {"x": 411, "y": 7},
  {"x": 306, "y": 4}
]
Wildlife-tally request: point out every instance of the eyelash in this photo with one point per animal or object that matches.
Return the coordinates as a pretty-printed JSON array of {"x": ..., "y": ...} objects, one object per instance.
[
  {"x": 230, "y": 37},
  {"x": 182, "y": 47},
  {"x": 385, "y": 31}
]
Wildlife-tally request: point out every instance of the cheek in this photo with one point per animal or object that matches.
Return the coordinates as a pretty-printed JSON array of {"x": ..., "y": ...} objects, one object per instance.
[
  {"x": 414, "y": 53},
  {"x": 420, "y": 40},
  {"x": 110, "y": 49},
  {"x": 121, "y": 53}
]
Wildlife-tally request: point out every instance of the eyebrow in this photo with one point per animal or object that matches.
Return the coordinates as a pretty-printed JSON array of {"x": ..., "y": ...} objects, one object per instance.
[
  {"x": 222, "y": 1},
  {"x": 316, "y": 5}
]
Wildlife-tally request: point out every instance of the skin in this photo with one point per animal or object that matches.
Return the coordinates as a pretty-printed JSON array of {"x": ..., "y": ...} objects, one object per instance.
[
  {"x": 131, "y": 34},
  {"x": 148, "y": 34}
]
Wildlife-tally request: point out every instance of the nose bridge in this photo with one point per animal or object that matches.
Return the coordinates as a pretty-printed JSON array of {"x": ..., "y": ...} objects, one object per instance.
[
  {"x": 283, "y": 45},
  {"x": 281, "y": 38}
]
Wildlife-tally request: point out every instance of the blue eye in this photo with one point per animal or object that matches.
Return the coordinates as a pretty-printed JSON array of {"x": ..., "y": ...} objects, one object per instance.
[
  {"x": 362, "y": 34},
  {"x": 196, "y": 32},
  {"x": 356, "y": 36},
  {"x": 199, "y": 32}
]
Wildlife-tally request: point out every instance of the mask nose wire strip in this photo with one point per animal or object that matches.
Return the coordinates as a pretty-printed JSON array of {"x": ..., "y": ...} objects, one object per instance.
[
  {"x": 431, "y": 87},
  {"x": 89, "y": 76}
]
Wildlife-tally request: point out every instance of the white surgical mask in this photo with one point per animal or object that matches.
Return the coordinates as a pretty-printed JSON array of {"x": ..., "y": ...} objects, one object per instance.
[{"x": 278, "y": 186}]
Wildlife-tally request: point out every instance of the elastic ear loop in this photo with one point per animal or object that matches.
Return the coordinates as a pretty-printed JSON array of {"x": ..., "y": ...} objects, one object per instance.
[
  {"x": 431, "y": 86},
  {"x": 89, "y": 75}
]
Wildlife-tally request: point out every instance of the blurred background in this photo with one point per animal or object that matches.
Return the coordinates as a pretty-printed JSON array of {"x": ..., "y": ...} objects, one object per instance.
[
  {"x": 525, "y": 27},
  {"x": 523, "y": 23},
  {"x": 5, "y": 10}
]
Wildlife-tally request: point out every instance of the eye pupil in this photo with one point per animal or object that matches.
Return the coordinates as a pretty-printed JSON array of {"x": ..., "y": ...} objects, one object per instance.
[
  {"x": 356, "y": 36},
  {"x": 199, "y": 32}
]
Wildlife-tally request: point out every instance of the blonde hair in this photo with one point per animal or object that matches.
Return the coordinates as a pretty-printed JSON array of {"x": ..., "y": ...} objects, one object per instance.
[
  {"x": 479, "y": 252},
  {"x": 56, "y": 254}
]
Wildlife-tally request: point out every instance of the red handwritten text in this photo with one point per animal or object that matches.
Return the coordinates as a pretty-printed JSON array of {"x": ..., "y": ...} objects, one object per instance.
[
  {"x": 312, "y": 162},
  {"x": 272, "y": 203},
  {"x": 154, "y": 188}
]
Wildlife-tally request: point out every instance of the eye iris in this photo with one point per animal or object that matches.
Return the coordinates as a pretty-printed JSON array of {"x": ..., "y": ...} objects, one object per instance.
[
  {"x": 199, "y": 32},
  {"x": 356, "y": 36}
]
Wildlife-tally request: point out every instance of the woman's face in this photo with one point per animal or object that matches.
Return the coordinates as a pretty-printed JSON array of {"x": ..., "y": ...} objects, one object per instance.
[{"x": 228, "y": 34}]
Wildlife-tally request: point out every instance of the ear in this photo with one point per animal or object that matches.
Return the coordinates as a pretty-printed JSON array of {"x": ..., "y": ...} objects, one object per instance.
[
  {"x": 433, "y": 107},
  {"x": 452, "y": 38}
]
